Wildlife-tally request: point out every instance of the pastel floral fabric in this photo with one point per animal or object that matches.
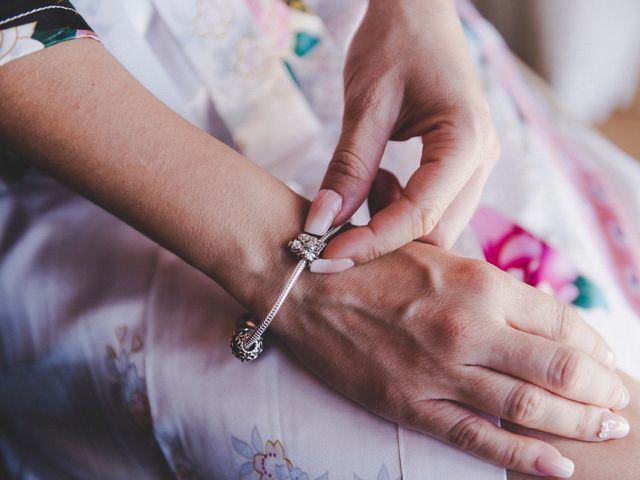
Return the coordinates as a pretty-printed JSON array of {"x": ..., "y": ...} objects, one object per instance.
[
  {"x": 27, "y": 26},
  {"x": 268, "y": 460}
]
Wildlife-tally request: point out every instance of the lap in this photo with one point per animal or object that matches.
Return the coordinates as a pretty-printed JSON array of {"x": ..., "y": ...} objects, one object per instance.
[{"x": 122, "y": 350}]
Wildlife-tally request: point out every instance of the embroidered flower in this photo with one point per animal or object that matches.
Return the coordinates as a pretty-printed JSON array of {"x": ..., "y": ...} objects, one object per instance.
[
  {"x": 268, "y": 460},
  {"x": 16, "y": 42},
  {"x": 132, "y": 389},
  {"x": 273, "y": 459}
]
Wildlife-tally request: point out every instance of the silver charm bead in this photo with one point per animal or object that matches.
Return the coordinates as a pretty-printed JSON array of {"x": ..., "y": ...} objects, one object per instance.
[
  {"x": 239, "y": 341},
  {"x": 306, "y": 247},
  {"x": 247, "y": 341}
]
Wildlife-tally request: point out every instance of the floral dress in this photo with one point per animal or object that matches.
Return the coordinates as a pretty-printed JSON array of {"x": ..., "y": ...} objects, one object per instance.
[
  {"x": 29, "y": 26},
  {"x": 114, "y": 359}
]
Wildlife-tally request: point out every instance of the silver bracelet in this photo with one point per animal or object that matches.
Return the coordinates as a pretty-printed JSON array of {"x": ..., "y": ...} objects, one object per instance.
[{"x": 247, "y": 341}]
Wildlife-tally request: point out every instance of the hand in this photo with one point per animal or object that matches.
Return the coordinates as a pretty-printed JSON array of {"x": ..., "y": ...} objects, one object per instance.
[
  {"x": 594, "y": 461},
  {"x": 408, "y": 74},
  {"x": 419, "y": 335}
]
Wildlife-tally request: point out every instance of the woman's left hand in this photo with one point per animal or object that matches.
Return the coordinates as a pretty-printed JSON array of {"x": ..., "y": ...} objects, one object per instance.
[{"x": 408, "y": 74}]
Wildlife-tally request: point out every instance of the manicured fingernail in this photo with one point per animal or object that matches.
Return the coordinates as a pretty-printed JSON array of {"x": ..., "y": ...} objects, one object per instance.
[
  {"x": 613, "y": 426},
  {"x": 624, "y": 399},
  {"x": 323, "y": 211},
  {"x": 556, "y": 466},
  {"x": 610, "y": 359},
  {"x": 332, "y": 265}
]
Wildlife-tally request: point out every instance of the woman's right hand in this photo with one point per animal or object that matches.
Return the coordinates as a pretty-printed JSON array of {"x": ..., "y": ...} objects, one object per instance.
[{"x": 420, "y": 333}]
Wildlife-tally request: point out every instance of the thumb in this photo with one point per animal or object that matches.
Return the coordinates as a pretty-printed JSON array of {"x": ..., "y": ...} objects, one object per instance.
[{"x": 350, "y": 173}]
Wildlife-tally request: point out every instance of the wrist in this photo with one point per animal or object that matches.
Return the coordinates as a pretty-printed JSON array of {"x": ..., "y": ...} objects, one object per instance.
[{"x": 254, "y": 263}]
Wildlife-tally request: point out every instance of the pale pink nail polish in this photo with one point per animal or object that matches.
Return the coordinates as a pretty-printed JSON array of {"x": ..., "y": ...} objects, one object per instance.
[
  {"x": 555, "y": 465},
  {"x": 624, "y": 399},
  {"x": 610, "y": 360},
  {"x": 323, "y": 211},
  {"x": 613, "y": 426},
  {"x": 332, "y": 265}
]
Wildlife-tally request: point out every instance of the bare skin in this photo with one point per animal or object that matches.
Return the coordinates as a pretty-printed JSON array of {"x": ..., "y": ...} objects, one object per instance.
[
  {"x": 409, "y": 74},
  {"x": 599, "y": 461},
  {"x": 411, "y": 336}
]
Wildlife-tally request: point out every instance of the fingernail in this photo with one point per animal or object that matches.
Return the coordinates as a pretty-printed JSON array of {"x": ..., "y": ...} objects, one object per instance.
[
  {"x": 332, "y": 265},
  {"x": 624, "y": 399},
  {"x": 323, "y": 211},
  {"x": 610, "y": 359},
  {"x": 613, "y": 426},
  {"x": 555, "y": 466}
]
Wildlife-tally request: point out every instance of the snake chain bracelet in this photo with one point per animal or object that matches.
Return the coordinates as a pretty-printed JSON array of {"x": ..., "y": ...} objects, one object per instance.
[{"x": 247, "y": 341}]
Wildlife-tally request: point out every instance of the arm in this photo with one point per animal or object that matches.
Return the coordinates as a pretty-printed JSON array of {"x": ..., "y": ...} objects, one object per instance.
[
  {"x": 75, "y": 113},
  {"x": 413, "y": 337}
]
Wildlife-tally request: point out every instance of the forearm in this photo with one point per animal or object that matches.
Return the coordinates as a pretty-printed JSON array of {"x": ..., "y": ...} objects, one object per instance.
[{"x": 76, "y": 114}]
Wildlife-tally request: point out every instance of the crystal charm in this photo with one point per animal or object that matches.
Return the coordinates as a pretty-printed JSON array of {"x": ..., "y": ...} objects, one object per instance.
[
  {"x": 239, "y": 340},
  {"x": 306, "y": 247},
  {"x": 604, "y": 431}
]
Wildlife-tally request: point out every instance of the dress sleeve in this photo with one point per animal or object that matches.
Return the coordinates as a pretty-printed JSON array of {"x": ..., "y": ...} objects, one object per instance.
[{"x": 27, "y": 26}]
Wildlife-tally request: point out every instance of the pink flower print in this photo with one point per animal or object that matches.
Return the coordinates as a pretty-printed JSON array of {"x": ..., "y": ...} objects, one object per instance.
[
  {"x": 528, "y": 258},
  {"x": 268, "y": 463}
]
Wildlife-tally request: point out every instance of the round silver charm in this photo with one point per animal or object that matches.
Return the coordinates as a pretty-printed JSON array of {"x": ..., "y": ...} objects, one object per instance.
[
  {"x": 306, "y": 247},
  {"x": 238, "y": 342}
]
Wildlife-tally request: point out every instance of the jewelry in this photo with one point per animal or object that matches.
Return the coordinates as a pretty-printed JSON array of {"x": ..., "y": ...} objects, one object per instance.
[
  {"x": 604, "y": 430},
  {"x": 247, "y": 341}
]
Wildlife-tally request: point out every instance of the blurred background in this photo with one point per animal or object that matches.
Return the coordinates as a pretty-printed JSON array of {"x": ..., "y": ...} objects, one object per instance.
[{"x": 588, "y": 51}]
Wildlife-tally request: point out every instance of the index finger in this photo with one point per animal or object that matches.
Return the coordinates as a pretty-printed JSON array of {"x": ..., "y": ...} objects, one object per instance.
[{"x": 428, "y": 194}]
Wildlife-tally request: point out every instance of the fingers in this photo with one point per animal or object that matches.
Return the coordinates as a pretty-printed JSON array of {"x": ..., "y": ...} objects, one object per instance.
[
  {"x": 457, "y": 216},
  {"x": 532, "y": 311},
  {"x": 461, "y": 209},
  {"x": 531, "y": 406},
  {"x": 558, "y": 368},
  {"x": 347, "y": 182},
  {"x": 447, "y": 164},
  {"x": 470, "y": 432}
]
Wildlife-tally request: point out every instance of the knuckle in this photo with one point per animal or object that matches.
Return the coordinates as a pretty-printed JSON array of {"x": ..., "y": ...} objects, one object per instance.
[
  {"x": 389, "y": 398},
  {"x": 454, "y": 331},
  {"x": 347, "y": 165},
  {"x": 615, "y": 393},
  {"x": 469, "y": 434},
  {"x": 600, "y": 349},
  {"x": 586, "y": 423},
  {"x": 565, "y": 325},
  {"x": 564, "y": 369},
  {"x": 512, "y": 455},
  {"x": 494, "y": 147},
  {"x": 424, "y": 218},
  {"x": 375, "y": 251},
  {"x": 479, "y": 277},
  {"x": 429, "y": 217},
  {"x": 524, "y": 405},
  {"x": 475, "y": 119}
]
